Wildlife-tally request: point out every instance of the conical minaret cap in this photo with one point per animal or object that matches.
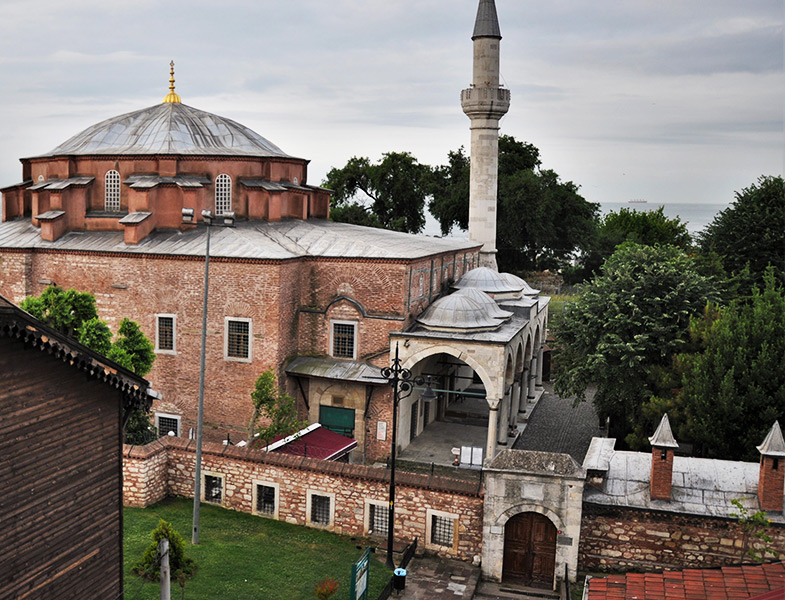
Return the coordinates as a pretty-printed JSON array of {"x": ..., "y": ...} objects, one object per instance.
[
  {"x": 663, "y": 437},
  {"x": 773, "y": 445},
  {"x": 487, "y": 22}
]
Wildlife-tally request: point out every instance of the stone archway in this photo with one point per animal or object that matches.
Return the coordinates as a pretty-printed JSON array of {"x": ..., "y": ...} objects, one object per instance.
[{"x": 529, "y": 550}]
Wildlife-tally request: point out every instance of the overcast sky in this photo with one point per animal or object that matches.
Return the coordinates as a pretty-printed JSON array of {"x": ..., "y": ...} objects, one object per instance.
[{"x": 664, "y": 100}]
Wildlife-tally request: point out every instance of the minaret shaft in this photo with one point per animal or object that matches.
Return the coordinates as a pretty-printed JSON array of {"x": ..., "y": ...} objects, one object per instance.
[{"x": 485, "y": 103}]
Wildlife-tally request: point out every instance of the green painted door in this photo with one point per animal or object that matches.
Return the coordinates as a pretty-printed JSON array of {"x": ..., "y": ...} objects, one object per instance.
[{"x": 339, "y": 420}]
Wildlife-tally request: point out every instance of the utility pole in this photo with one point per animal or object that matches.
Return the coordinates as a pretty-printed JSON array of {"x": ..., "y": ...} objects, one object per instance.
[{"x": 163, "y": 552}]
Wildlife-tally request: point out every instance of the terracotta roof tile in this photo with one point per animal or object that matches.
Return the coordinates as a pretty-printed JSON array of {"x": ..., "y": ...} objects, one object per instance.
[{"x": 762, "y": 582}]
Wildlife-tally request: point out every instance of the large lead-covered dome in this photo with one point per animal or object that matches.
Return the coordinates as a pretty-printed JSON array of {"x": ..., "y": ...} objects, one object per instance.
[{"x": 168, "y": 128}]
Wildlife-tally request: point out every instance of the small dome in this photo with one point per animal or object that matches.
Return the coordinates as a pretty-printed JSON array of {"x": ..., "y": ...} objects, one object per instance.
[
  {"x": 517, "y": 281},
  {"x": 489, "y": 281},
  {"x": 484, "y": 300},
  {"x": 458, "y": 312},
  {"x": 168, "y": 128}
]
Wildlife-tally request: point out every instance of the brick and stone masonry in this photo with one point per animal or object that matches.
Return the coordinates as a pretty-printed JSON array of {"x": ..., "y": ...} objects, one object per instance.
[
  {"x": 626, "y": 539},
  {"x": 166, "y": 467}
]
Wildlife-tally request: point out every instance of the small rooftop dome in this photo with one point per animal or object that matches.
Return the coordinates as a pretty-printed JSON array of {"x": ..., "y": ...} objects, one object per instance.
[
  {"x": 458, "y": 312},
  {"x": 484, "y": 300},
  {"x": 488, "y": 281},
  {"x": 517, "y": 281}
]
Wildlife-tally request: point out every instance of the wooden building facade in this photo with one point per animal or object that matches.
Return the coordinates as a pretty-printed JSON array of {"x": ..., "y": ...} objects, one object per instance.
[{"x": 61, "y": 408}]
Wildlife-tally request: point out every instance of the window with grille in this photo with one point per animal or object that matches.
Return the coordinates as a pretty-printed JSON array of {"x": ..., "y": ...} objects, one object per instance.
[
  {"x": 213, "y": 489},
  {"x": 238, "y": 339},
  {"x": 441, "y": 530},
  {"x": 112, "y": 191},
  {"x": 320, "y": 509},
  {"x": 164, "y": 333},
  {"x": 378, "y": 519},
  {"x": 344, "y": 340},
  {"x": 265, "y": 499},
  {"x": 223, "y": 194},
  {"x": 167, "y": 424}
]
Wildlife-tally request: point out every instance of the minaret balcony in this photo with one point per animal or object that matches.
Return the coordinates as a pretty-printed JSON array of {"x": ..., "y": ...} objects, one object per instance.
[{"x": 485, "y": 102}]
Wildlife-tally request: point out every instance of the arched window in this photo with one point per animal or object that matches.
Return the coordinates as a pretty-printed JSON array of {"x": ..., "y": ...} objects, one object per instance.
[
  {"x": 223, "y": 194},
  {"x": 112, "y": 194}
]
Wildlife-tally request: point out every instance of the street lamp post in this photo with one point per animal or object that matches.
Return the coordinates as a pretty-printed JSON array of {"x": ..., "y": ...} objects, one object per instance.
[
  {"x": 208, "y": 217},
  {"x": 402, "y": 382}
]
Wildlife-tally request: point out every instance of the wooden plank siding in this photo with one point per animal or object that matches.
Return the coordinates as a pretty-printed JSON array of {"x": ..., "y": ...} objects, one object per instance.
[{"x": 61, "y": 470}]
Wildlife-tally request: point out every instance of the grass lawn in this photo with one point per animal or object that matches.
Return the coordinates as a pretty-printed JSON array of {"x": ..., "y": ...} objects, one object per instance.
[{"x": 242, "y": 556}]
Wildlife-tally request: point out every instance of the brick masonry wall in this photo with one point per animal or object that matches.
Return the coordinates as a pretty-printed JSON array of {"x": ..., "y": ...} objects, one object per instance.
[
  {"x": 352, "y": 486},
  {"x": 620, "y": 539}
]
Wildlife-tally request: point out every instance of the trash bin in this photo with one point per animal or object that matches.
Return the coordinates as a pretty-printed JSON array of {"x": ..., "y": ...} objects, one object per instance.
[{"x": 399, "y": 579}]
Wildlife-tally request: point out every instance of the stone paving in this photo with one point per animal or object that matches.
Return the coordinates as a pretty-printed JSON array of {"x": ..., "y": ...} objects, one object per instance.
[{"x": 431, "y": 578}]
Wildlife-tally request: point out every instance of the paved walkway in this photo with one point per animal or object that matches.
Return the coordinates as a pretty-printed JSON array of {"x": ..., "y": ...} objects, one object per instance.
[{"x": 429, "y": 578}]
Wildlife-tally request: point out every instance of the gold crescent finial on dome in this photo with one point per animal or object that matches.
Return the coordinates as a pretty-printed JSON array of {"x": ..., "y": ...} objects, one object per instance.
[{"x": 171, "y": 97}]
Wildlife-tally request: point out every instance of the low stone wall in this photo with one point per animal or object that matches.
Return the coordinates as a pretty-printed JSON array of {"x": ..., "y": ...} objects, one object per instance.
[
  {"x": 166, "y": 467},
  {"x": 623, "y": 539}
]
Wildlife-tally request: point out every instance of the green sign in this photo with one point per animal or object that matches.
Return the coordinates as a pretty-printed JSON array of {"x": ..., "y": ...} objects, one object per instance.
[{"x": 359, "y": 581}]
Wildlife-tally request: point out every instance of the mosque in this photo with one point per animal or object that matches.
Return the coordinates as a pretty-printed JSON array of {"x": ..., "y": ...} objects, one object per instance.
[{"x": 125, "y": 208}]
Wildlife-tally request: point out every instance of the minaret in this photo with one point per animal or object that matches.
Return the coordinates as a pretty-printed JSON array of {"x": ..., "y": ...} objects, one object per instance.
[{"x": 485, "y": 103}]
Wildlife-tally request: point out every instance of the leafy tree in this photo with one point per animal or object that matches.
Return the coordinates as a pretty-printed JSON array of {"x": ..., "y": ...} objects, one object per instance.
[
  {"x": 735, "y": 389},
  {"x": 541, "y": 221},
  {"x": 74, "y": 313},
  {"x": 135, "y": 344},
  {"x": 276, "y": 407},
  {"x": 64, "y": 310},
  {"x": 181, "y": 566},
  {"x": 96, "y": 335},
  {"x": 642, "y": 227},
  {"x": 389, "y": 194},
  {"x": 622, "y": 332},
  {"x": 751, "y": 232}
]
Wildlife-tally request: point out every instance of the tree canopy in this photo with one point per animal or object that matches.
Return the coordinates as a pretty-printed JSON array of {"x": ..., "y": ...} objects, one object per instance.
[
  {"x": 628, "y": 225},
  {"x": 542, "y": 222},
  {"x": 276, "y": 407},
  {"x": 735, "y": 389},
  {"x": 751, "y": 232},
  {"x": 389, "y": 194},
  {"x": 75, "y": 314},
  {"x": 626, "y": 326}
]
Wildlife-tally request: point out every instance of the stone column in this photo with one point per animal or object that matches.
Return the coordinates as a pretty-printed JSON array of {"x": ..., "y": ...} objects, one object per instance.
[
  {"x": 515, "y": 404},
  {"x": 493, "y": 419},
  {"x": 524, "y": 389},
  {"x": 532, "y": 378},
  {"x": 539, "y": 365},
  {"x": 504, "y": 419}
]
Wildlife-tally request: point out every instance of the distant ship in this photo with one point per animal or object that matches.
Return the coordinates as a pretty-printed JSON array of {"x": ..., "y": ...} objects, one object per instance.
[{"x": 637, "y": 201}]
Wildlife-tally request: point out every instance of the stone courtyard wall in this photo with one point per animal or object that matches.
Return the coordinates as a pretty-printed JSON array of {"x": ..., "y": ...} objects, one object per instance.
[
  {"x": 624, "y": 539},
  {"x": 166, "y": 467}
]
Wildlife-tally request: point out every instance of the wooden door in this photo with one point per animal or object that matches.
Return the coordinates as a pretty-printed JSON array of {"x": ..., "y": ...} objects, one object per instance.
[{"x": 529, "y": 550}]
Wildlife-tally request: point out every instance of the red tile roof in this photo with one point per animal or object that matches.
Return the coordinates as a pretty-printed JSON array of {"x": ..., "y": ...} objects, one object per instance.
[{"x": 759, "y": 582}]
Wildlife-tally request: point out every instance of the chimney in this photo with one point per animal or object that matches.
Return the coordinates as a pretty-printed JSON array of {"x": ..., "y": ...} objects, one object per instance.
[
  {"x": 662, "y": 448},
  {"x": 771, "y": 480}
]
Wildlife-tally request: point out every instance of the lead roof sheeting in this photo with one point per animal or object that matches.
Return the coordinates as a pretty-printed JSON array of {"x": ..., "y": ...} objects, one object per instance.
[
  {"x": 270, "y": 186},
  {"x": 168, "y": 128},
  {"x": 700, "y": 486},
  {"x": 60, "y": 184},
  {"x": 328, "y": 368},
  {"x": 248, "y": 240},
  {"x": 151, "y": 181},
  {"x": 135, "y": 217}
]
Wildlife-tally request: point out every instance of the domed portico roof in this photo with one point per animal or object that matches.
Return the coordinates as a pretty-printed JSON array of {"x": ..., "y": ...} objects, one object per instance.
[
  {"x": 463, "y": 312},
  {"x": 484, "y": 300},
  {"x": 489, "y": 281},
  {"x": 168, "y": 128}
]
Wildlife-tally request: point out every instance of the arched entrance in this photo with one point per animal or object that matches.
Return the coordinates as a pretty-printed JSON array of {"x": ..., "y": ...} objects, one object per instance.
[{"x": 529, "y": 550}]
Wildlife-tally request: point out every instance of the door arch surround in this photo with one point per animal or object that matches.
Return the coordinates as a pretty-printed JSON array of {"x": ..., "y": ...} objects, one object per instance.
[{"x": 529, "y": 550}]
